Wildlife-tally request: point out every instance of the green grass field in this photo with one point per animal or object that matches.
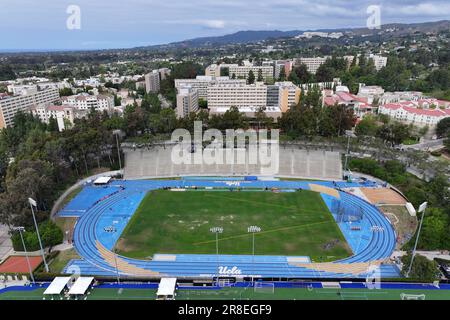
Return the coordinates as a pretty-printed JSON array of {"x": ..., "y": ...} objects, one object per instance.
[
  {"x": 242, "y": 294},
  {"x": 296, "y": 223}
]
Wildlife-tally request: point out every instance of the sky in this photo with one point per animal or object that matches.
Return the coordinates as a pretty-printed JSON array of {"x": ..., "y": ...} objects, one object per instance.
[{"x": 104, "y": 24}]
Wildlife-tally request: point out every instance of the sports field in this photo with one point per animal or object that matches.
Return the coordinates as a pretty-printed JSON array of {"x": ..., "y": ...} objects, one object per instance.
[
  {"x": 292, "y": 223},
  {"x": 234, "y": 293}
]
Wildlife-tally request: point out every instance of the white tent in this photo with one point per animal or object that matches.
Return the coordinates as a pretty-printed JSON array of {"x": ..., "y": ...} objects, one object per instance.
[
  {"x": 81, "y": 285},
  {"x": 166, "y": 288},
  {"x": 102, "y": 180},
  {"x": 57, "y": 286}
]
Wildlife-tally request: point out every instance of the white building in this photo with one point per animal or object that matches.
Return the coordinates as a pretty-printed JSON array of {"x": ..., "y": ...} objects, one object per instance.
[
  {"x": 240, "y": 72},
  {"x": 379, "y": 61},
  {"x": 224, "y": 96},
  {"x": 411, "y": 112},
  {"x": 85, "y": 101},
  {"x": 201, "y": 83},
  {"x": 64, "y": 115},
  {"x": 249, "y": 98},
  {"x": 312, "y": 64},
  {"x": 10, "y": 105},
  {"x": 187, "y": 101},
  {"x": 22, "y": 89},
  {"x": 152, "y": 82}
]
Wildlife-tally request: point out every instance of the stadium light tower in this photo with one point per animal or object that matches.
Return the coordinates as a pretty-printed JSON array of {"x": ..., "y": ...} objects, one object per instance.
[
  {"x": 422, "y": 208},
  {"x": 253, "y": 230},
  {"x": 22, "y": 229},
  {"x": 217, "y": 230},
  {"x": 115, "y": 262},
  {"x": 117, "y": 133},
  {"x": 349, "y": 135},
  {"x": 33, "y": 204}
]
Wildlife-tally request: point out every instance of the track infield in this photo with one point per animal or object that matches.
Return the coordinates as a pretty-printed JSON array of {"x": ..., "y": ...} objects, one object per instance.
[{"x": 293, "y": 223}]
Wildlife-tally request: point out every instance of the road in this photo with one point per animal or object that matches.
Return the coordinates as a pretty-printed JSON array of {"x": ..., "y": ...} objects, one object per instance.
[{"x": 427, "y": 145}]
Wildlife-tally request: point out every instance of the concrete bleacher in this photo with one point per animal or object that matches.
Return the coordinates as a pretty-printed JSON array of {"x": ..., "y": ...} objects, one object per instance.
[{"x": 293, "y": 162}]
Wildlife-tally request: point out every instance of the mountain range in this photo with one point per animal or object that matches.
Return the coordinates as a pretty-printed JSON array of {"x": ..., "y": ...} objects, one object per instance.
[{"x": 249, "y": 36}]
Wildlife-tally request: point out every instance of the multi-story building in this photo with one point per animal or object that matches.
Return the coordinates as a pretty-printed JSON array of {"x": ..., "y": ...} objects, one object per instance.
[
  {"x": 249, "y": 98},
  {"x": 10, "y": 105},
  {"x": 223, "y": 96},
  {"x": 240, "y": 72},
  {"x": 22, "y": 89},
  {"x": 152, "y": 82},
  {"x": 410, "y": 112},
  {"x": 187, "y": 101},
  {"x": 164, "y": 73},
  {"x": 288, "y": 95},
  {"x": 201, "y": 83},
  {"x": 64, "y": 115},
  {"x": 312, "y": 64},
  {"x": 85, "y": 101},
  {"x": 379, "y": 61}
]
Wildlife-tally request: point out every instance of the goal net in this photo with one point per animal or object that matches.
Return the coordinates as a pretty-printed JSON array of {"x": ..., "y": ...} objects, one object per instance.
[
  {"x": 345, "y": 212},
  {"x": 405, "y": 296},
  {"x": 264, "y": 287}
]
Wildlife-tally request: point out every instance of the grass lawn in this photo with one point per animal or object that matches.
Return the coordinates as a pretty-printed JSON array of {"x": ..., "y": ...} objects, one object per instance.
[
  {"x": 58, "y": 264},
  {"x": 242, "y": 294},
  {"x": 293, "y": 223}
]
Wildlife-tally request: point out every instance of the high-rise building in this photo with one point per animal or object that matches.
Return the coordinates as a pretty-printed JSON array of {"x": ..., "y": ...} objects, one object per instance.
[
  {"x": 187, "y": 101},
  {"x": 10, "y": 105},
  {"x": 152, "y": 82}
]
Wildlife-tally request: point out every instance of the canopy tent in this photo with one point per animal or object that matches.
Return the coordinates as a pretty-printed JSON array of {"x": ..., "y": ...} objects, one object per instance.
[
  {"x": 81, "y": 285},
  {"x": 102, "y": 180},
  {"x": 166, "y": 288},
  {"x": 57, "y": 286}
]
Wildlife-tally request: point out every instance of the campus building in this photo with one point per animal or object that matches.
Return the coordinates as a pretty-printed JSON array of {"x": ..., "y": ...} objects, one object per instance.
[
  {"x": 86, "y": 101},
  {"x": 10, "y": 105},
  {"x": 201, "y": 84},
  {"x": 312, "y": 64},
  {"x": 419, "y": 113},
  {"x": 187, "y": 101},
  {"x": 240, "y": 72},
  {"x": 249, "y": 98},
  {"x": 64, "y": 114},
  {"x": 152, "y": 82}
]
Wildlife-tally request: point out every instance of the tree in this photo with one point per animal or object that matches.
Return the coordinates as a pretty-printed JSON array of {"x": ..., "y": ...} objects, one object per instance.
[
  {"x": 367, "y": 127},
  {"x": 251, "y": 77},
  {"x": 301, "y": 73},
  {"x": 443, "y": 127},
  {"x": 260, "y": 76},
  {"x": 262, "y": 120},
  {"x": 65, "y": 92},
  {"x": 422, "y": 268},
  {"x": 435, "y": 233},
  {"x": 282, "y": 76}
]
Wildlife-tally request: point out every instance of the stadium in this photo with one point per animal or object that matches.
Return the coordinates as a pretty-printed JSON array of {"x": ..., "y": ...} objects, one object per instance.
[{"x": 159, "y": 222}]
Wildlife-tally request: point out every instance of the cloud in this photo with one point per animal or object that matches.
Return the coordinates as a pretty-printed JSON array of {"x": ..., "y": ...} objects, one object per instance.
[
  {"x": 420, "y": 9},
  {"x": 213, "y": 24}
]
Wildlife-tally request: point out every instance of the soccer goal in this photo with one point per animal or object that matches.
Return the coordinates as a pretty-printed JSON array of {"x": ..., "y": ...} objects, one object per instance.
[
  {"x": 405, "y": 296},
  {"x": 264, "y": 287}
]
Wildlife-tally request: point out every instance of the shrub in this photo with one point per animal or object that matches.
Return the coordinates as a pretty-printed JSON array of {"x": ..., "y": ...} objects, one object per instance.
[{"x": 51, "y": 235}]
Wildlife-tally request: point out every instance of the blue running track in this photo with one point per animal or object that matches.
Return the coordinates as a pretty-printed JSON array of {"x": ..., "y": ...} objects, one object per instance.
[{"x": 103, "y": 213}]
